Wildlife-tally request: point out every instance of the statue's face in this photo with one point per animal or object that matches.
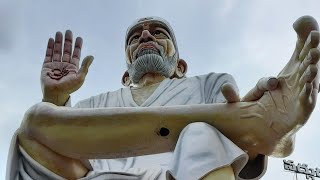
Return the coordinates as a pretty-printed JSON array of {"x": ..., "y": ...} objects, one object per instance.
[{"x": 150, "y": 50}]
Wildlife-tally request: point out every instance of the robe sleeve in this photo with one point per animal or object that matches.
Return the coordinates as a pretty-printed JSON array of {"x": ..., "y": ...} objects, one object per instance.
[{"x": 212, "y": 86}]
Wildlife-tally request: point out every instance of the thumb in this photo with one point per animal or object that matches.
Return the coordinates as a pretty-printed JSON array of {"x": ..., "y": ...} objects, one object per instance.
[
  {"x": 85, "y": 66},
  {"x": 263, "y": 85},
  {"x": 230, "y": 93},
  {"x": 303, "y": 26}
]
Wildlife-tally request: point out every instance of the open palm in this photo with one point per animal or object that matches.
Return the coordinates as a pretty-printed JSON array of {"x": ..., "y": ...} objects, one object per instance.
[
  {"x": 60, "y": 75},
  {"x": 288, "y": 107}
]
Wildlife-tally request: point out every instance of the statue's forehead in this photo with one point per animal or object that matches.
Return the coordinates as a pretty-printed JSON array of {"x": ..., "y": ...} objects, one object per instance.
[
  {"x": 146, "y": 22},
  {"x": 146, "y": 25}
]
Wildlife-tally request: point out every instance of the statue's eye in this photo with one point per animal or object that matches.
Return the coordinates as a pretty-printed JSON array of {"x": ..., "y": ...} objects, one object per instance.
[
  {"x": 159, "y": 34},
  {"x": 134, "y": 39}
]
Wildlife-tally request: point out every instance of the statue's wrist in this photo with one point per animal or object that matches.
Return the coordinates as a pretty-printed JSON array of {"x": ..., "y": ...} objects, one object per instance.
[{"x": 59, "y": 100}]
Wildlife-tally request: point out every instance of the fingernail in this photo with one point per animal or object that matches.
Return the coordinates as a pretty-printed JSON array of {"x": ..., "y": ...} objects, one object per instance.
[
  {"x": 90, "y": 57},
  {"x": 273, "y": 82}
]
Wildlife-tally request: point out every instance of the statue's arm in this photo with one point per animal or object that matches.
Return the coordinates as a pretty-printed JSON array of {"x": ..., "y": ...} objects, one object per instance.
[{"x": 123, "y": 132}]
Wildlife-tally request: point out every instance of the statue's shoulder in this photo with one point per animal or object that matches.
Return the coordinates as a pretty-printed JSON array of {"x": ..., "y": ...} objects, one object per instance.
[
  {"x": 215, "y": 80},
  {"x": 213, "y": 76}
]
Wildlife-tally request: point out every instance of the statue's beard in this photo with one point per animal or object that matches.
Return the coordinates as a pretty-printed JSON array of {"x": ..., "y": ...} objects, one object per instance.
[{"x": 150, "y": 61}]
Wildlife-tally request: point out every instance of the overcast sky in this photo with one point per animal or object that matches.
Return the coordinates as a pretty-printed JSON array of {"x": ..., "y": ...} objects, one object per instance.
[{"x": 248, "y": 39}]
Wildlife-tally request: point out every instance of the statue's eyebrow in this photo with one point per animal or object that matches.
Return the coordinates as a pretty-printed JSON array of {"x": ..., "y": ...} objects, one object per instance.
[{"x": 153, "y": 25}]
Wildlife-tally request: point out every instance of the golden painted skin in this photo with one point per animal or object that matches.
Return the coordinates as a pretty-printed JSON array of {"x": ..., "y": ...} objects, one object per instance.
[
  {"x": 265, "y": 125},
  {"x": 225, "y": 173}
]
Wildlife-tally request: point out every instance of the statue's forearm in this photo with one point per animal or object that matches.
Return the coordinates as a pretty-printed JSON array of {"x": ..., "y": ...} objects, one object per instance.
[{"x": 122, "y": 132}]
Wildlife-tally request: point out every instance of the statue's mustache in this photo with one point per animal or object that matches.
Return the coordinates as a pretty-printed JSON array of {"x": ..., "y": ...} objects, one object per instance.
[
  {"x": 147, "y": 51},
  {"x": 148, "y": 48}
]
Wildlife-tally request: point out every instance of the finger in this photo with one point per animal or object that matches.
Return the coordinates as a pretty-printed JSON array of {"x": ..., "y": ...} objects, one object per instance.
[
  {"x": 315, "y": 82},
  {"x": 305, "y": 96},
  {"x": 67, "y": 47},
  {"x": 311, "y": 42},
  {"x": 49, "y": 51},
  {"x": 77, "y": 51},
  {"x": 309, "y": 75},
  {"x": 85, "y": 67},
  {"x": 303, "y": 26},
  {"x": 57, "y": 47},
  {"x": 230, "y": 93},
  {"x": 312, "y": 58},
  {"x": 314, "y": 96},
  {"x": 263, "y": 85}
]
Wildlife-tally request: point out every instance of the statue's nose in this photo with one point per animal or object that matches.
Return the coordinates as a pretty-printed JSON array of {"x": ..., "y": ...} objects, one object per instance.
[{"x": 146, "y": 36}]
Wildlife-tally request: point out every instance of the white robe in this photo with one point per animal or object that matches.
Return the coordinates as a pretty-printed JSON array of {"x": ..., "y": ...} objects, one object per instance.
[{"x": 200, "y": 148}]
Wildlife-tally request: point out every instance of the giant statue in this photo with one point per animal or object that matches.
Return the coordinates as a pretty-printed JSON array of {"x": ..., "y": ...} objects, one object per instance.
[{"x": 162, "y": 124}]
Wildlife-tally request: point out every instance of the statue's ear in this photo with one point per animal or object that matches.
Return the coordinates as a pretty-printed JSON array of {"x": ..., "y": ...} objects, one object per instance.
[
  {"x": 181, "y": 69},
  {"x": 126, "y": 79}
]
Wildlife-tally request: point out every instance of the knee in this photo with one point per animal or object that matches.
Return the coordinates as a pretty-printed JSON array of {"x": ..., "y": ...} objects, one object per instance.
[{"x": 198, "y": 128}]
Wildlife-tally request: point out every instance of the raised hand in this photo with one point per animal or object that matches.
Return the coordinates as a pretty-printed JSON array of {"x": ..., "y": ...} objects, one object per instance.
[
  {"x": 60, "y": 75},
  {"x": 285, "y": 103},
  {"x": 299, "y": 80},
  {"x": 288, "y": 107}
]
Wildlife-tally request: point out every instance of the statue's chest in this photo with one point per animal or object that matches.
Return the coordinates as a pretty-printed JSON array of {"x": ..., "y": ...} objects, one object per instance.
[
  {"x": 174, "y": 94},
  {"x": 142, "y": 94}
]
